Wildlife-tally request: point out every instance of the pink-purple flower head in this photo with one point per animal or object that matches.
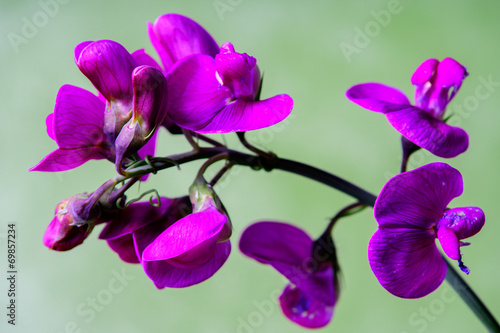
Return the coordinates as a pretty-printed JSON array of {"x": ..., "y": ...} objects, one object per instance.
[
  {"x": 210, "y": 95},
  {"x": 176, "y": 246},
  {"x": 310, "y": 298},
  {"x": 411, "y": 211},
  {"x": 436, "y": 84}
]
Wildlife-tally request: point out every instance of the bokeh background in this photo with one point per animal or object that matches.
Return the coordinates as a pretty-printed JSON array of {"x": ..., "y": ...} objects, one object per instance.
[{"x": 314, "y": 51}]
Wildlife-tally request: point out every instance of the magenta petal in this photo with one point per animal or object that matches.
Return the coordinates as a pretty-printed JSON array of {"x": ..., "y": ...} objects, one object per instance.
[
  {"x": 67, "y": 159},
  {"x": 449, "y": 242},
  {"x": 464, "y": 221},
  {"x": 165, "y": 275},
  {"x": 150, "y": 98},
  {"x": 269, "y": 242},
  {"x": 421, "y": 128},
  {"x": 185, "y": 234},
  {"x": 175, "y": 36},
  {"x": 377, "y": 97},
  {"x": 303, "y": 309},
  {"x": 109, "y": 66},
  {"x": 124, "y": 247},
  {"x": 424, "y": 72},
  {"x": 406, "y": 262},
  {"x": 134, "y": 217},
  {"x": 238, "y": 71},
  {"x": 243, "y": 115},
  {"x": 417, "y": 198},
  {"x": 49, "y": 122},
  {"x": 78, "y": 118},
  {"x": 142, "y": 58}
]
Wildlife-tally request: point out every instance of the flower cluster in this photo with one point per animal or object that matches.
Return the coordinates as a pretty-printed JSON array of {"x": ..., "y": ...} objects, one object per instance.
[{"x": 199, "y": 88}]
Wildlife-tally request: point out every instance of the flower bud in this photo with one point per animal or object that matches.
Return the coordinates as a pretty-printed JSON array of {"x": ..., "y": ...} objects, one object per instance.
[{"x": 63, "y": 234}]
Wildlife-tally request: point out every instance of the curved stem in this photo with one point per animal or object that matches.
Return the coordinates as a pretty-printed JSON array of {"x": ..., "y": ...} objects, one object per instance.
[
  {"x": 470, "y": 298},
  {"x": 302, "y": 169}
]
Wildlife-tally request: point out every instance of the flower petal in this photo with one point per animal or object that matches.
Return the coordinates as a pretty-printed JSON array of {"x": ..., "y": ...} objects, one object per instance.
[
  {"x": 49, "y": 122},
  {"x": 175, "y": 36},
  {"x": 200, "y": 103},
  {"x": 242, "y": 115},
  {"x": 185, "y": 234},
  {"x": 304, "y": 310},
  {"x": 108, "y": 65},
  {"x": 406, "y": 262},
  {"x": 421, "y": 128},
  {"x": 424, "y": 72},
  {"x": 464, "y": 221},
  {"x": 78, "y": 118},
  {"x": 271, "y": 242},
  {"x": 124, "y": 247},
  {"x": 165, "y": 275},
  {"x": 142, "y": 58},
  {"x": 377, "y": 97},
  {"x": 136, "y": 216},
  {"x": 67, "y": 159},
  {"x": 417, "y": 199}
]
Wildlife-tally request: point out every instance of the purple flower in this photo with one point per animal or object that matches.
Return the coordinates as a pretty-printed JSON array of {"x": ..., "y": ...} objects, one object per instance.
[
  {"x": 176, "y": 249},
  {"x": 63, "y": 234},
  {"x": 436, "y": 85},
  {"x": 135, "y": 95},
  {"x": 310, "y": 298},
  {"x": 81, "y": 121},
  {"x": 210, "y": 95},
  {"x": 411, "y": 211}
]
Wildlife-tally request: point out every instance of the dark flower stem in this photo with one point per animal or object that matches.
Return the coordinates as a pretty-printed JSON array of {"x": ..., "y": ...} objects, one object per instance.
[
  {"x": 470, "y": 298},
  {"x": 273, "y": 162}
]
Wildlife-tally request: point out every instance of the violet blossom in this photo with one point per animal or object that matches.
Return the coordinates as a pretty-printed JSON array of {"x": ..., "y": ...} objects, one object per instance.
[
  {"x": 177, "y": 243},
  {"x": 411, "y": 212},
  {"x": 310, "y": 298},
  {"x": 208, "y": 95},
  {"x": 80, "y": 124},
  {"x": 135, "y": 95},
  {"x": 423, "y": 124}
]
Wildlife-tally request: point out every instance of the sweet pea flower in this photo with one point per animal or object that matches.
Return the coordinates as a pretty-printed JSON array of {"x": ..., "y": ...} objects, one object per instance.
[
  {"x": 177, "y": 243},
  {"x": 135, "y": 95},
  {"x": 218, "y": 95},
  {"x": 193, "y": 248},
  {"x": 411, "y": 212},
  {"x": 310, "y": 298},
  {"x": 436, "y": 84}
]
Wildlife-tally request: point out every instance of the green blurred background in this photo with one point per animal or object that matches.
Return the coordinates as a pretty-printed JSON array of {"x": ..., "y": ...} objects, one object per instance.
[{"x": 298, "y": 46}]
